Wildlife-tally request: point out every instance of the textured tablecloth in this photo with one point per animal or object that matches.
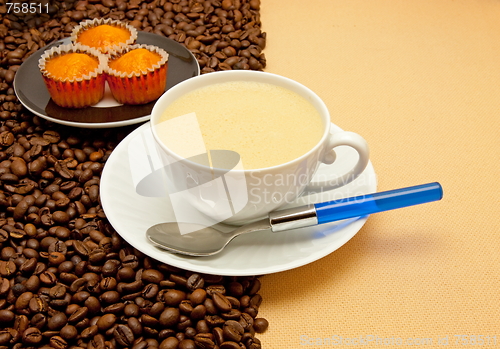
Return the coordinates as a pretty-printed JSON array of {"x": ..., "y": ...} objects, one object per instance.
[{"x": 420, "y": 80}]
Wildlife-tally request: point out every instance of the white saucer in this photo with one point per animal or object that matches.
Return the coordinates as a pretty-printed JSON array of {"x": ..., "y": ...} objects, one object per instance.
[{"x": 259, "y": 253}]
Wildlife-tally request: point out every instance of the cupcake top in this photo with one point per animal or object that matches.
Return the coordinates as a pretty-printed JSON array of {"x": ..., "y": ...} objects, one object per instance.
[
  {"x": 104, "y": 34},
  {"x": 136, "y": 60},
  {"x": 72, "y": 62},
  {"x": 73, "y": 65}
]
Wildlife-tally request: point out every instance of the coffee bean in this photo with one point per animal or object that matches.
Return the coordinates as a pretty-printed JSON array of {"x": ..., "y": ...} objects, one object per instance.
[
  {"x": 135, "y": 326},
  {"x": 260, "y": 325},
  {"x": 174, "y": 297},
  {"x": 58, "y": 342},
  {"x": 78, "y": 315},
  {"x": 68, "y": 332},
  {"x": 229, "y": 345},
  {"x": 90, "y": 332},
  {"x": 106, "y": 321},
  {"x": 152, "y": 276},
  {"x": 123, "y": 335},
  {"x": 97, "y": 342},
  {"x": 6, "y": 316},
  {"x": 216, "y": 289},
  {"x": 57, "y": 321},
  {"x": 32, "y": 336},
  {"x": 7, "y": 268},
  {"x": 204, "y": 340},
  {"x": 221, "y": 302},
  {"x": 195, "y": 281},
  {"x": 171, "y": 343},
  {"x": 169, "y": 317},
  {"x": 38, "y": 304},
  {"x": 233, "y": 331}
]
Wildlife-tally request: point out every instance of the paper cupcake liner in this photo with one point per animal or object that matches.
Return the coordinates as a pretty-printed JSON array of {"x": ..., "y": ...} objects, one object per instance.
[
  {"x": 78, "y": 94},
  {"x": 142, "y": 86},
  {"x": 92, "y": 23},
  {"x": 74, "y": 92}
]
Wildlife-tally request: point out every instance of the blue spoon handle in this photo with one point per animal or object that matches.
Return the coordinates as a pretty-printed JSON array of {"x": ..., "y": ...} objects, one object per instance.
[
  {"x": 372, "y": 203},
  {"x": 356, "y": 206}
]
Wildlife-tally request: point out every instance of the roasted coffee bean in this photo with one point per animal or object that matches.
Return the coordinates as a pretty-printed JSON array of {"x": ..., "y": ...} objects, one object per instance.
[
  {"x": 68, "y": 332},
  {"x": 185, "y": 307},
  {"x": 195, "y": 281},
  {"x": 39, "y": 321},
  {"x": 152, "y": 276},
  {"x": 260, "y": 325},
  {"x": 123, "y": 335},
  {"x": 150, "y": 291},
  {"x": 7, "y": 268},
  {"x": 187, "y": 344},
  {"x": 229, "y": 345},
  {"x": 135, "y": 326},
  {"x": 216, "y": 289},
  {"x": 171, "y": 343},
  {"x": 110, "y": 268},
  {"x": 214, "y": 320},
  {"x": 57, "y": 291},
  {"x": 169, "y": 317},
  {"x": 233, "y": 331},
  {"x": 198, "y": 312},
  {"x": 38, "y": 305},
  {"x": 218, "y": 334},
  {"x": 174, "y": 297},
  {"x": 90, "y": 332},
  {"x": 109, "y": 297},
  {"x": 116, "y": 308},
  {"x": 246, "y": 321},
  {"x": 6, "y": 316},
  {"x": 32, "y": 336},
  {"x": 57, "y": 321},
  {"x": 204, "y": 340},
  {"x": 221, "y": 302},
  {"x": 5, "y": 285},
  {"x": 23, "y": 301},
  {"x": 198, "y": 296},
  {"x": 184, "y": 322},
  {"x": 131, "y": 310},
  {"x": 106, "y": 321},
  {"x": 58, "y": 342},
  {"x": 21, "y": 323},
  {"x": 233, "y": 314},
  {"x": 78, "y": 315},
  {"x": 210, "y": 306},
  {"x": 97, "y": 342}
]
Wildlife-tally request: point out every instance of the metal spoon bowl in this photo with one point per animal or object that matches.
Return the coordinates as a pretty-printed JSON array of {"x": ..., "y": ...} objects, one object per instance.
[{"x": 202, "y": 240}]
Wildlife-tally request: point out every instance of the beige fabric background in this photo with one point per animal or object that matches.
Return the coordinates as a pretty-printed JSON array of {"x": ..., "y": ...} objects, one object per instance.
[{"x": 420, "y": 80}]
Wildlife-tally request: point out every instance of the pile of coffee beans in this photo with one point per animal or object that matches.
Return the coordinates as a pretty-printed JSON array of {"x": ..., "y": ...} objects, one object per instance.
[
  {"x": 67, "y": 279},
  {"x": 222, "y": 35}
]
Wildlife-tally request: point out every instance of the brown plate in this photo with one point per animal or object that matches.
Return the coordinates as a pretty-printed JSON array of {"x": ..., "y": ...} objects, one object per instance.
[{"x": 32, "y": 93}]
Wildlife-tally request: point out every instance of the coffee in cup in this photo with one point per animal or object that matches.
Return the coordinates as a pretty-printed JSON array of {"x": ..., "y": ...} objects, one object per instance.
[
  {"x": 237, "y": 145},
  {"x": 257, "y": 120}
]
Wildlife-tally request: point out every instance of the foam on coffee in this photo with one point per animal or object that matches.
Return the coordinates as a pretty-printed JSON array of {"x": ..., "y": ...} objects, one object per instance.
[{"x": 267, "y": 125}]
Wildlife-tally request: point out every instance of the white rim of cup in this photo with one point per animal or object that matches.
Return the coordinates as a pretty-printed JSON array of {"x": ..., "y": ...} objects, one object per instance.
[{"x": 288, "y": 83}]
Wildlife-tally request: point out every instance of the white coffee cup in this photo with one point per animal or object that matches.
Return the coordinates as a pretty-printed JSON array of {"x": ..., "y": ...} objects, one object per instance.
[{"x": 236, "y": 195}]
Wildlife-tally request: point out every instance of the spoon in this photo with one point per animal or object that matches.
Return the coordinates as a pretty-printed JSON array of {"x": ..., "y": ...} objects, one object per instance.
[{"x": 207, "y": 241}]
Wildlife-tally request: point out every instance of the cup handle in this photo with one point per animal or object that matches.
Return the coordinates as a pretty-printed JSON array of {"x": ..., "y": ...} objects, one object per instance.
[{"x": 336, "y": 139}]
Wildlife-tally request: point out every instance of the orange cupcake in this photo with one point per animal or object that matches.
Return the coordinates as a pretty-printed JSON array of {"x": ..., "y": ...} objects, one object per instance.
[
  {"x": 104, "y": 34},
  {"x": 137, "y": 74},
  {"x": 74, "y": 75}
]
